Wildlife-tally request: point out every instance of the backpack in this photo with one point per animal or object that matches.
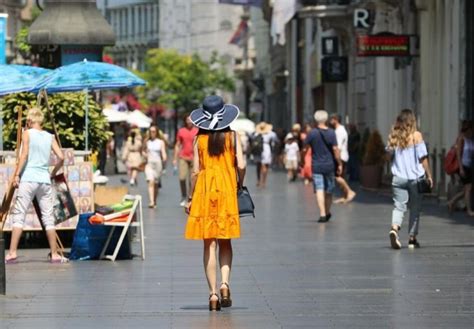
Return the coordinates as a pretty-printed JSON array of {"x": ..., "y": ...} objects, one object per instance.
[
  {"x": 451, "y": 164},
  {"x": 256, "y": 145}
]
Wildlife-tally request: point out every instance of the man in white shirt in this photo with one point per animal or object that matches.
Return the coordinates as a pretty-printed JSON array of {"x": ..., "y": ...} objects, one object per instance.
[{"x": 342, "y": 143}]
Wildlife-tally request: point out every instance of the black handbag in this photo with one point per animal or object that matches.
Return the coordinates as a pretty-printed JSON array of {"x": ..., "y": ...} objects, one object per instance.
[
  {"x": 244, "y": 200},
  {"x": 422, "y": 183}
]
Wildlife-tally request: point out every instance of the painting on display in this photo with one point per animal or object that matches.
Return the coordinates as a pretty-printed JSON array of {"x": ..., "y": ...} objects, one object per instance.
[{"x": 72, "y": 198}]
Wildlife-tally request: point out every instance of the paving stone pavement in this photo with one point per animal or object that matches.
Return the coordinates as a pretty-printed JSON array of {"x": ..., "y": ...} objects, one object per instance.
[{"x": 289, "y": 272}]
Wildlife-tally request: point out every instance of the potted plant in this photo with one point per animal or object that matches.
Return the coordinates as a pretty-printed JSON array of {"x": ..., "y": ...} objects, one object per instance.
[{"x": 372, "y": 162}]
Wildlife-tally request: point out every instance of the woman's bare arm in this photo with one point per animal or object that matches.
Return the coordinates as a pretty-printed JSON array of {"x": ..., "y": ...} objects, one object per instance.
[
  {"x": 241, "y": 163},
  {"x": 194, "y": 174},
  {"x": 25, "y": 148},
  {"x": 164, "y": 154}
]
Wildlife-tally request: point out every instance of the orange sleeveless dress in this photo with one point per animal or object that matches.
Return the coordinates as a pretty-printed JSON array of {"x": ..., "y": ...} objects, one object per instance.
[{"x": 214, "y": 210}]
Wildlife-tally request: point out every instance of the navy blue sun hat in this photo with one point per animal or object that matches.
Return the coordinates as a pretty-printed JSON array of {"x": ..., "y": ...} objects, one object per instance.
[{"x": 214, "y": 114}]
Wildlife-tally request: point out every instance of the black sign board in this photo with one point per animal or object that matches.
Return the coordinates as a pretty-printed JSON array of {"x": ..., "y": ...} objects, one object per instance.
[
  {"x": 334, "y": 69},
  {"x": 387, "y": 45},
  {"x": 330, "y": 46}
]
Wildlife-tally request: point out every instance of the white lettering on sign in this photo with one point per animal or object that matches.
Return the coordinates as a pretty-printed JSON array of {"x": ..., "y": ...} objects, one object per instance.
[{"x": 361, "y": 18}]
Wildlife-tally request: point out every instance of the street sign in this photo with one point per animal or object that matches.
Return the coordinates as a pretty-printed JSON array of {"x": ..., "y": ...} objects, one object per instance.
[
  {"x": 387, "y": 45},
  {"x": 334, "y": 69},
  {"x": 330, "y": 46},
  {"x": 3, "y": 38},
  {"x": 361, "y": 18}
]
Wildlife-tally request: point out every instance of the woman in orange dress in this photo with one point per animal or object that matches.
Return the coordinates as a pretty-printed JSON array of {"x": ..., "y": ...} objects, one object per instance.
[{"x": 213, "y": 209}]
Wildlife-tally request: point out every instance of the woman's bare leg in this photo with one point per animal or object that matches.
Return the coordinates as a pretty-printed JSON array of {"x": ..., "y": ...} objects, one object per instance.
[
  {"x": 151, "y": 192},
  {"x": 264, "y": 174},
  {"x": 225, "y": 259},
  {"x": 51, "y": 235},
  {"x": 467, "y": 198},
  {"x": 210, "y": 264},
  {"x": 14, "y": 242}
]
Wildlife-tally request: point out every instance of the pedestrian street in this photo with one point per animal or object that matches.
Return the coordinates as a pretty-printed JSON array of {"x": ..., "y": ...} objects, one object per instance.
[{"x": 289, "y": 271}]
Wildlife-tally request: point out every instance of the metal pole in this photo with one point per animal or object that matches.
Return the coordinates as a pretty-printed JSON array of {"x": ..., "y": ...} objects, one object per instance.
[
  {"x": 246, "y": 17},
  {"x": 87, "y": 119}
]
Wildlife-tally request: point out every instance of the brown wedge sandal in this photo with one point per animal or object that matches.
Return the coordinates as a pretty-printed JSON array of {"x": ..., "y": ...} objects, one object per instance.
[
  {"x": 214, "y": 305},
  {"x": 225, "y": 296}
]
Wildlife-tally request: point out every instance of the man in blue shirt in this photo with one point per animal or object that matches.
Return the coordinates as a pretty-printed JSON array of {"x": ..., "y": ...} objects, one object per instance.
[{"x": 326, "y": 162}]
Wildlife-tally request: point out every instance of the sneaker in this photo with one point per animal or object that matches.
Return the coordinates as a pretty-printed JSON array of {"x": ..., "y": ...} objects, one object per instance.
[
  {"x": 413, "y": 244},
  {"x": 183, "y": 203},
  {"x": 132, "y": 182},
  {"x": 394, "y": 240}
]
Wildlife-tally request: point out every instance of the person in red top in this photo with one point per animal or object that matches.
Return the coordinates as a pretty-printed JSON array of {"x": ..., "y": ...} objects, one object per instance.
[{"x": 183, "y": 155}]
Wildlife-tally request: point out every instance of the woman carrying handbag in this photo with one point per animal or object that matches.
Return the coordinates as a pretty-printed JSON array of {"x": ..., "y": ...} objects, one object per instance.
[
  {"x": 213, "y": 208},
  {"x": 411, "y": 176}
]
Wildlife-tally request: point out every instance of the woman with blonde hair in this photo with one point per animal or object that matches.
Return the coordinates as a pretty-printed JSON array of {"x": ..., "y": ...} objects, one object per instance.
[
  {"x": 132, "y": 155},
  {"x": 155, "y": 150},
  {"x": 218, "y": 166},
  {"x": 409, "y": 164},
  {"x": 33, "y": 179}
]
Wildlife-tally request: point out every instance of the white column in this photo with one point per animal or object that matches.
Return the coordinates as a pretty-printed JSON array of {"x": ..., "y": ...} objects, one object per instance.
[
  {"x": 307, "y": 94},
  {"x": 293, "y": 69}
]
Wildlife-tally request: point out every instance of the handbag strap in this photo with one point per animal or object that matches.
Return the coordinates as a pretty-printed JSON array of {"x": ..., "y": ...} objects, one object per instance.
[
  {"x": 325, "y": 141},
  {"x": 235, "y": 160}
]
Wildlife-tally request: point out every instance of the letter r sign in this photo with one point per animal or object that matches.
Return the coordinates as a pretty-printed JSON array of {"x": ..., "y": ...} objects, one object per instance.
[{"x": 361, "y": 18}]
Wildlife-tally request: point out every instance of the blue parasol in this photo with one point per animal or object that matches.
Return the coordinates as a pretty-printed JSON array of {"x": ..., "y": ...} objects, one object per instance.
[
  {"x": 87, "y": 75},
  {"x": 19, "y": 78}
]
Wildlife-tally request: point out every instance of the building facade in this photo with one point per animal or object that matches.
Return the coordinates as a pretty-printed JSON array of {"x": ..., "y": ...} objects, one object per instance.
[
  {"x": 205, "y": 27},
  {"x": 18, "y": 12},
  {"x": 136, "y": 26},
  {"x": 432, "y": 81}
]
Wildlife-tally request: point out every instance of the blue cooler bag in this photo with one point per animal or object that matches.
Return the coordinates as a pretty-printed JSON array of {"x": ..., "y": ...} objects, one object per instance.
[{"x": 90, "y": 239}]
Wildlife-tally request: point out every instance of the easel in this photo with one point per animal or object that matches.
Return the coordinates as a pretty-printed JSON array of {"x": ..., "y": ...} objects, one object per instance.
[
  {"x": 134, "y": 219},
  {"x": 8, "y": 198}
]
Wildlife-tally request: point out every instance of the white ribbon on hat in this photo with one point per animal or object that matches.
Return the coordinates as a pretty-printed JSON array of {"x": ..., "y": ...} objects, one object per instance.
[{"x": 215, "y": 118}]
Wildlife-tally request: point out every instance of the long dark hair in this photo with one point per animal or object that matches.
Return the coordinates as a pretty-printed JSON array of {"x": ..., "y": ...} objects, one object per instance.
[{"x": 216, "y": 144}]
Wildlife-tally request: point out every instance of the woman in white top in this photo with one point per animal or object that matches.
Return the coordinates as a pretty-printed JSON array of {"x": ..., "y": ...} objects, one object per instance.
[
  {"x": 409, "y": 163},
  {"x": 33, "y": 179},
  {"x": 156, "y": 157}
]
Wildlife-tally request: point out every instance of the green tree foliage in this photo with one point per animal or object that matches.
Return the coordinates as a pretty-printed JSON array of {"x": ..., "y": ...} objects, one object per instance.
[
  {"x": 182, "y": 81},
  {"x": 69, "y": 113}
]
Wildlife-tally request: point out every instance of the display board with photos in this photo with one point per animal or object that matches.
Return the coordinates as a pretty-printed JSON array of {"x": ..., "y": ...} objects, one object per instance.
[{"x": 79, "y": 179}]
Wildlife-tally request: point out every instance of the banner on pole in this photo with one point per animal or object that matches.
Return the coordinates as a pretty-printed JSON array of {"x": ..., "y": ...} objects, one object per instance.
[
  {"x": 257, "y": 3},
  {"x": 3, "y": 38}
]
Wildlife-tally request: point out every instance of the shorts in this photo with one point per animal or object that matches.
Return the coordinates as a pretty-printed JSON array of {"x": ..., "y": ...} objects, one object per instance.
[
  {"x": 324, "y": 182},
  {"x": 153, "y": 171},
  {"x": 291, "y": 164},
  {"x": 25, "y": 194},
  {"x": 184, "y": 168},
  {"x": 467, "y": 178}
]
